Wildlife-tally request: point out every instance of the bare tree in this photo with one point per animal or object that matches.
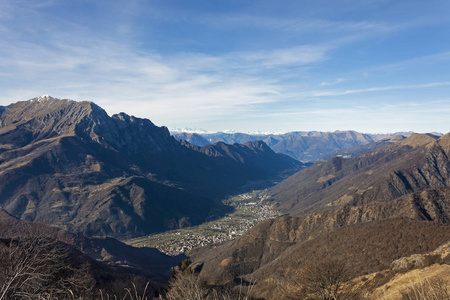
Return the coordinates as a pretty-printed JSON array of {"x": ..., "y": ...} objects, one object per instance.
[{"x": 324, "y": 279}]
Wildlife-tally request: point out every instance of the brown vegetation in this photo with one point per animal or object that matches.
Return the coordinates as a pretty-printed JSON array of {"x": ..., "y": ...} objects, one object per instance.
[
  {"x": 270, "y": 255},
  {"x": 415, "y": 164}
]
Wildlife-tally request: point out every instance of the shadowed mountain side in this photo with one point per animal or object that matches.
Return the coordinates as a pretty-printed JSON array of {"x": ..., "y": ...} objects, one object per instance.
[
  {"x": 271, "y": 256},
  {"x": 68, "y": 183},
  {"x": 256, "y": 154},
  {"x": 69, "y": 164},
  {"x": 414, "y": 164}
]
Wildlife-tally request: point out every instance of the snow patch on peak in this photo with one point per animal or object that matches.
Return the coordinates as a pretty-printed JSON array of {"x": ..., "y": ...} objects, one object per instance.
[
  {"x": 174, "y": 130},
  {"x": 229, "y": 131},
  {"x": 43, "y": 97},
  {"x": 259, "y": 132},
  {"x": 189, "y": 130}
]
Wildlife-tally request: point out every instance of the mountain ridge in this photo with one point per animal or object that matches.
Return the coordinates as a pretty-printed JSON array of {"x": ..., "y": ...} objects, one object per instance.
[{"x": 69, "y": 163}]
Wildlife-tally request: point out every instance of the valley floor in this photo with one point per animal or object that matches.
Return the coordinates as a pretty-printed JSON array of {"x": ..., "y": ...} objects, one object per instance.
[{"x": 249, "y": 209}]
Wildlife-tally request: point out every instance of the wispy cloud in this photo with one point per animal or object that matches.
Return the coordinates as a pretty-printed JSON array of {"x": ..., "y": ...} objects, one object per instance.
[
  {"x": 182, "y": 66},
  {"x": 162, "y": 88},
  {"x": 336, "y": 81},
  {"x": 295, "y": 56},
  {"x": 378, "y": 89},
  {"x": 188, "y": 86},
  {"x": 299, "y": 24}
]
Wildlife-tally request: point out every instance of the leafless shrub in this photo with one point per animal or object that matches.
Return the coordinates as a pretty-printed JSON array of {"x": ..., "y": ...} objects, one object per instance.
[
  {"x": 39, "y": 268},
  {"x": 187, "y": 285},
  {"x": 130, "y": 294}
]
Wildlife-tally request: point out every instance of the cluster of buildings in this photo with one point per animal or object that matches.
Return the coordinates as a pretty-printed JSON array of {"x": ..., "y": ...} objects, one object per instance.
[{"x": 246, "y": 215}]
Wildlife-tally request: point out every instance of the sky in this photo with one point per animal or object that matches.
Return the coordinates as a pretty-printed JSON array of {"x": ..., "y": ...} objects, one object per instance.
[{"x": 373, "y": 66}]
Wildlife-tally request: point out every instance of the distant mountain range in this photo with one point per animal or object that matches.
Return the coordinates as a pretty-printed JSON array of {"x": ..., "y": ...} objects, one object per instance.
[
  {"x": 69, "y": 164},
  {"x": 305, "y": 146}
]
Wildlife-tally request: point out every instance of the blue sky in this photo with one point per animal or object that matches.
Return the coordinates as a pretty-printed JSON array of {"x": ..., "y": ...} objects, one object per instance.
[{"x": 371, "y": 66}]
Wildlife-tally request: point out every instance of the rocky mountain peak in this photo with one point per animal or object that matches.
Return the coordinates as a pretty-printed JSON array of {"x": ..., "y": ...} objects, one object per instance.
[
  {"x": 41, "y": 118},
  {"x": 259, "y": 145},
  {"x": 46, "y": 117}
]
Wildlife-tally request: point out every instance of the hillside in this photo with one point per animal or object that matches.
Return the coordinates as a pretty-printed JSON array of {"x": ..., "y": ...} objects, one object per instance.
[
  {"x": 272, "y": 256},
  {"x": 417, "y": 276},
  {"x": 414, "y": 164},
  {"x": 69, "y": 164}
]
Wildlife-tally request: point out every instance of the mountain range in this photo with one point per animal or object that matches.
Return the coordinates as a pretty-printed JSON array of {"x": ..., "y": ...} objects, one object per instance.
[
  {"x": 69, "y": 164},
  {"x": 305, "y": 146}
]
